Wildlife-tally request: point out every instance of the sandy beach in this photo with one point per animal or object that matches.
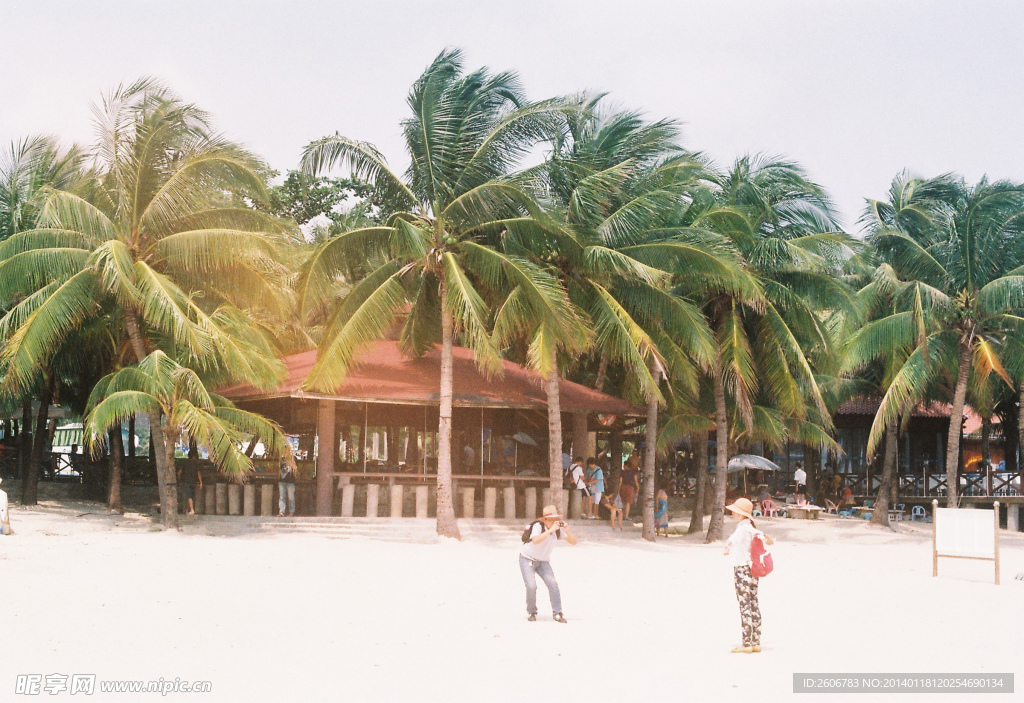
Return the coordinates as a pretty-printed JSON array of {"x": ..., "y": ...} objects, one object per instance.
[{"x": 267, "y": 615}]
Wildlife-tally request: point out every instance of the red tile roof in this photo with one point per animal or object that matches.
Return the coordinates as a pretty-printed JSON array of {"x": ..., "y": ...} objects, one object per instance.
[
  {"x": 384, "y": 375},
  {"x": 869, "y": 406}
]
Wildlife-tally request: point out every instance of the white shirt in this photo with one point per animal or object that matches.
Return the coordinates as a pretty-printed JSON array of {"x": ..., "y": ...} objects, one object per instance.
[
  {"x": 542, "y": 551},
  {"x": 739, "y": 544},
  {"x": 3, "y": 507},
  {"x": 577, "y": 477},
  {"x": 800, "y": 476}
]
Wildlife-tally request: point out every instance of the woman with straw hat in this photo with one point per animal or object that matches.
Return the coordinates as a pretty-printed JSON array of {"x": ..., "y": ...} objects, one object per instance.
[{"x": 746, "y": 585}]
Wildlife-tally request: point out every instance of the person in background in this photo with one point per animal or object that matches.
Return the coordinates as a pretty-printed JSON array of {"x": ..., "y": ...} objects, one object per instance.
[
  {"x": 577, "y": 475},
  {"x": 746, "y": 585},
  {"x": 535, "y": 559},
  {"x": 629, "y": 483},
  {"x": 5, "y": 517},
  {"x": 595, "y": 482},
  {"x": 286, "y": 487},
  {"x": 614, "y": 507},
  {"x": 661, "y": 513},
  {"x": 800, "y": 478},
  {"x": 189, "y": 477}
]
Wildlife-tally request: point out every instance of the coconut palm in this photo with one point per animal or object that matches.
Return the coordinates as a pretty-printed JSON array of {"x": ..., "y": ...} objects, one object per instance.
[
  {"x": 434, "y": 257},
  {"x": 956, "y": 256},
  {"x": 784, "y": 226},
  {"x": 160, "y": 386},
  {"x": 161, "y": 238}
]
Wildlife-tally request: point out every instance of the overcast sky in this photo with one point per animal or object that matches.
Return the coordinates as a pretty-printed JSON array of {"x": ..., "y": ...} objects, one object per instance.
[{"x": 853, "y": 90}]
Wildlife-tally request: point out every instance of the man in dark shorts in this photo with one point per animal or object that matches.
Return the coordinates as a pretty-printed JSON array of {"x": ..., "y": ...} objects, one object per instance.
[
  {"x": 800, "y": 478},
  {"x": 629, "y": 484}
]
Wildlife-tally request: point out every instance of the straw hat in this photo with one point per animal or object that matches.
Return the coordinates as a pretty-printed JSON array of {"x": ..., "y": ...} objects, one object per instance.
[
  {"x": 550, "y": 511},
  {"x": 743, "y": 507}
]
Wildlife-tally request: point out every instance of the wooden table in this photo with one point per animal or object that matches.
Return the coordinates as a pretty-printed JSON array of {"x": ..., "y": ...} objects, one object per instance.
[{"x": 803, "y": 512}]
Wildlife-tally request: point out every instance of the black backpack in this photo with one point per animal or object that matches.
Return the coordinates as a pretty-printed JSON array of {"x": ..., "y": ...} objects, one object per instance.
[{"x": 529, "y": 529}]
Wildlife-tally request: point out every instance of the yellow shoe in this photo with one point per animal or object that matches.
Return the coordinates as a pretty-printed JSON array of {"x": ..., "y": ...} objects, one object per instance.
[
  {"x": 743, "y": 650},
  {"x": 755, "y": 648}
]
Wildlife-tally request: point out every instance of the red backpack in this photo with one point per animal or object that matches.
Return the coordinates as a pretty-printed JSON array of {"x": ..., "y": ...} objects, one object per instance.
[{"x": 760, "y": 558}]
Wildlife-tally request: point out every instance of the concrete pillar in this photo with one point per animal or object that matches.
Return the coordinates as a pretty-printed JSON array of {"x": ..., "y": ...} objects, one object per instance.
[
  {"x": 327, "y": 442},
  {"x": 348, "y": 499},
  {"x": 530, "y": 502},
  {"x": 249, "y": 500},
  {"x": 267, "y": 499},
  {"x": 221, "y": 493},
  {"x": 234, "y": 499},
  {"x": 1013, "y": 517},
  {"x": 372, "y": 498},
  {"x": 490, "y": 502},
  {"x": 200, "y": 500},
  {"x": 468, "y": 497},
  {"x": 574, "y": 505},
  {"x": 545, "y": 497},
  {"x": 509, "y": 501},
  {"x": 422, "y": 500},
  {"x": 565, "y": 501},
  {"x": 396, "y": 501},
  {"x": 210, "y": 500}
]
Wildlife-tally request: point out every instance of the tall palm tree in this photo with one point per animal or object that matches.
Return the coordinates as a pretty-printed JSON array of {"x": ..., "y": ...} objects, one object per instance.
[
  {"x": 784, "y": 226},
  {"x": 957, "y": 253},
  {"x": 161, "y": 238},
  {"x": 434, "y": 257}
]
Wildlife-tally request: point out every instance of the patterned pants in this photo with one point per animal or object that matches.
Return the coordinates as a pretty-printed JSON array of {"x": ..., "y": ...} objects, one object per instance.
[{"x": 750, "y": 612}]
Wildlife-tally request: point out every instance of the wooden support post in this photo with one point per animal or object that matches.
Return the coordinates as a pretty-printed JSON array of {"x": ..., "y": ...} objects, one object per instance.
[
  {"x": 490, "y": 502},
  {"x": 530, "y": 502},
  {"x": 422, "y": 500},
  {"x": 221, "y": 492},
  {"x": 468, "y": 498},
  {"x": 579, "y": 436},
  {"x": 396, "y": 500},
  {"x": 267, "y": 499},
  {"x": 574, "y": 505},
  {"x": 509, "y": 502},
  {"x": 327, "y": 442},
  {"x": 372, "y": 498},
  {"x": 234, "y": 499},
  {"x": 348, "y": 499},
  {"x": 248, "y": 500}
]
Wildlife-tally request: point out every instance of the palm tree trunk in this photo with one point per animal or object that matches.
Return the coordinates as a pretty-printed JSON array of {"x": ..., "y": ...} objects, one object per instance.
[
  {"x": 30, "y": 486},
  {"x": 955, "y": 426},
  {"x": 602, "y": 372},
  {"x": 880, "y": 516},
  {"x": 554, "y": 434},
  {"x": 446, "y": 523},
  {"x": 1020, "y": 430},
  {"x": 701, "y": 454},
  {"x": 116, "y": 468},
  {"x": 164, "y": 473},
  {"x": 171, "y": 474},
  {"x": 24, "y": 441},
  {"x": 716, "y": 527},
  {"x": 650, "y": 463}
]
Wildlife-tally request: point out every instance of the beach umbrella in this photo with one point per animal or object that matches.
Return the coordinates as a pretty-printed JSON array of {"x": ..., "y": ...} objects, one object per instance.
[
  {"x": 524, "y": 438},
  {"x": 751, "y": 461}
]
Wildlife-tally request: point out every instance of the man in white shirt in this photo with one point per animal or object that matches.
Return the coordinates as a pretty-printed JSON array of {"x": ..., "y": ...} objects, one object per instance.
[
  {"x": 800, "y": 478},
  {"x": 578, "y": 476},
  {"x": 535, "y": 559}
]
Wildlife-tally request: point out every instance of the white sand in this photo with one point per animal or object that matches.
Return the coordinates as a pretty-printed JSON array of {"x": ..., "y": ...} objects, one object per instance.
[{"x": 306, "y": 617}]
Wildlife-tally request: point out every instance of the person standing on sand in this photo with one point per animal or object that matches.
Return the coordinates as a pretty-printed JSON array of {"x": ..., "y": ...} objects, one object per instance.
[
  {"x": 595, "y": 483},
  {"x": 286, "y": 488},
  {"x": 5, "y": 518},
  {"x": 800, "y": 478},
  {"x": 661, "y": 514},
  {"x": 629, "y": 484},
  {"x": 535, "y": 559},
  {"x": 746, "y": 585}
]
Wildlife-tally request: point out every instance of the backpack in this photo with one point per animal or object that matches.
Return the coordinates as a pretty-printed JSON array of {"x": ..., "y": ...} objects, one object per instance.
[
  {"x": 529, "y": 529},
  {"x": 760, "y": 558}
]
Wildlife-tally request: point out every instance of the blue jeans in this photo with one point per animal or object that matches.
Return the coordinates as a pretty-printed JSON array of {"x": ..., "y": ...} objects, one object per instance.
[
  {"x": 286, "y": 489},
  {"x": 530, "y": 571}
]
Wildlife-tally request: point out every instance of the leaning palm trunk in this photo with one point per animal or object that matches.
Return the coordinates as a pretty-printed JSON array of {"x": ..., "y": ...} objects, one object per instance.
[
  {"x": 650, "y": 466},
  {"x": 446, "y": 523},
  {"x": 1020, "y": 429},
  {"x": 116, "y": 468},
  {"x": 554, "y": 435},
  {"x": 30, "y": 486},
  {"x": 697, "y": 518},
  {"x": 880, "y": 516},
  {"x": 24, "y": 442},
  {"x": 955, "y": 425},
  {"x": 165, "y": 476},
  {"x": 715, "y": 527}
]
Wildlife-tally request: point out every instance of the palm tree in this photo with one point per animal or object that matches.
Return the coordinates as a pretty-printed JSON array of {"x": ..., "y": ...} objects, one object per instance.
[
  {"x": 161, "y": 238},
  {"x": 176, "y": 394},
  {"x": 434, "y": 256},
  {"x": 956, "y": 254},
  {"x": 783, "y": 225}
]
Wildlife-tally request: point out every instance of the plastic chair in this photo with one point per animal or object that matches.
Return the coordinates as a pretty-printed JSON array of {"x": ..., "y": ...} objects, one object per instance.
[
  {"x": 831, "y": 507},
  {"x": 918, "y": 513},
  {"x": 770, "y": 509},
  {"x": 869, "y": 504}
]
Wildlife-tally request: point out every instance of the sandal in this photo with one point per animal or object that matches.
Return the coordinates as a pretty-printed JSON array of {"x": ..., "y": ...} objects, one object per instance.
[{"x": 558, "y": 617}]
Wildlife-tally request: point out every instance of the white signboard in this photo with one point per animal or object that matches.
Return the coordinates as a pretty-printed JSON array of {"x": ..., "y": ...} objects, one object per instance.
[{"x": 965, "y": 533}]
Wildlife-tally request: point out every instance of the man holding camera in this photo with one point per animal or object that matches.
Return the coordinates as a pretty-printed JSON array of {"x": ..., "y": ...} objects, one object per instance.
[{"x": 534, "y": 560}]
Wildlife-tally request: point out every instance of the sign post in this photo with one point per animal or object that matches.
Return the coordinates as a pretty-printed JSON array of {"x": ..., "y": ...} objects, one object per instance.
[{"x": 965, "y": 534}]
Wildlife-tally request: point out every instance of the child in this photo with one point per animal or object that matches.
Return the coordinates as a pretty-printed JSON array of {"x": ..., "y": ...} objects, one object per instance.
[
  {"x": 661, "y": 514},
  {"x": 746, "y": 585},
  {"x": 614, "y": 508}
]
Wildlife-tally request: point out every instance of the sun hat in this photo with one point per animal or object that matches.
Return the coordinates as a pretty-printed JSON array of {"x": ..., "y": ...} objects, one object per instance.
[
  {"x": 550, "y": 511},
  {"x": 743, "y": 507}
]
